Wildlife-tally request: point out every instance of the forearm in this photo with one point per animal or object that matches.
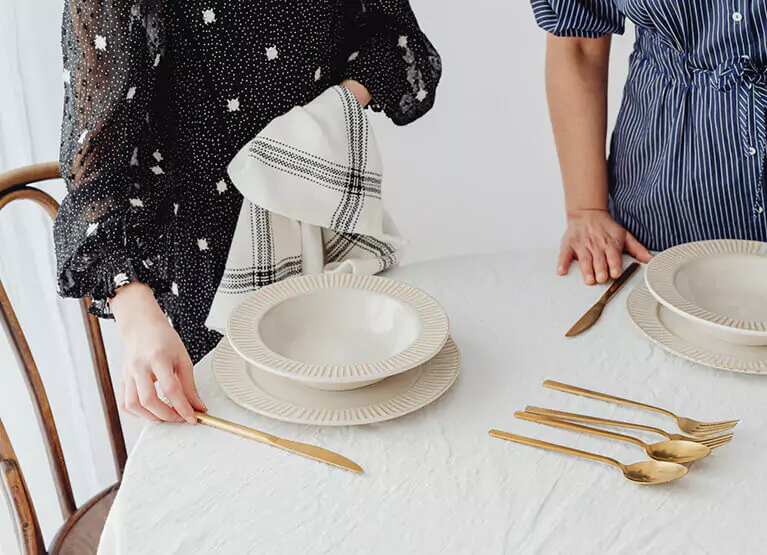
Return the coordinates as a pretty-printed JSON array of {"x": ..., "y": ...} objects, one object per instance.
[{"x": 576, "y": 84}]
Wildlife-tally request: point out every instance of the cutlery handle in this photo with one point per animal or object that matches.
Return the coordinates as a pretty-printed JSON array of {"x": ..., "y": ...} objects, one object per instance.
[
  {"x": 554, "y": 447},
  {"x": 572, "y": 417},
  {"x": 236, "y": 429},
  {"x": 603, "y": 397},
  {"x": 548, "y": 421},
  {"x": 618, "y": 284}
]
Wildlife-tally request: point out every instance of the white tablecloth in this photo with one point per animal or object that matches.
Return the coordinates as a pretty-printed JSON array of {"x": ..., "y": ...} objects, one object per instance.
[{"x": 434, "y": 481}]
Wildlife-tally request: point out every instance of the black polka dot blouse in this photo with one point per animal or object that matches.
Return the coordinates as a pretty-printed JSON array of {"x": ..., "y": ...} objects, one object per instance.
[{"x": 161, "y": 94}]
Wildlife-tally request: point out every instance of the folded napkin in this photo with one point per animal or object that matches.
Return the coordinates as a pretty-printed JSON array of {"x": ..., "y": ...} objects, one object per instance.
[{"x": 312, "y": 186}]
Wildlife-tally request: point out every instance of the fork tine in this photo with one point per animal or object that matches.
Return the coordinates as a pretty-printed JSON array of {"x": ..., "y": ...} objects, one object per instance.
[
  {"x": 719, "y": 443},
  {"x": 714, "y": 428},
  {"x": 714, "y": 440},
  {"x": 721, "y": 423}
]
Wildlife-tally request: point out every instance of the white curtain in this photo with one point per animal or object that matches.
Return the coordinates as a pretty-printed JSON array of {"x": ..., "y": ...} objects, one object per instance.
[{"x": 30, "y": 115}]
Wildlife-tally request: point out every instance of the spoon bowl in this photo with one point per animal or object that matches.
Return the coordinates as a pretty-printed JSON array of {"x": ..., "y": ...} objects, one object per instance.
[
  {"x": 653, "y": 472},
  {"x": 677, "y": 451}
]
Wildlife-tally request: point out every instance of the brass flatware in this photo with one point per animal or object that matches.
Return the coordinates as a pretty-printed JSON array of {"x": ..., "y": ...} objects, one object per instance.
[
  {"x": 310, "y": 451},
  {"x": 669, "y": 451},
  {"x": 644, "y": 472},
  {"x": 687, "y": 425},
  {"x": 712, "y": 441},
  {"x": 595, "y": 312}
]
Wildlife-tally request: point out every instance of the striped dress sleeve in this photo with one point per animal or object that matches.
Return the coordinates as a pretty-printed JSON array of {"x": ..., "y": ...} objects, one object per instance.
[{"x": 579, "y": 18}]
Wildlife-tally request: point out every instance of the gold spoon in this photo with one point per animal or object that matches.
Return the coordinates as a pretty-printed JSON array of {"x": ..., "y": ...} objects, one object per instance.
[
  {"x": 669, "y": 451},
  {"x": 645, "y": 472}
]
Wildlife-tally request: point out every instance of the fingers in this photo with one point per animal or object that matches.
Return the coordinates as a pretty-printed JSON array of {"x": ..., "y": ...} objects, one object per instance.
[
  {"x": 131, "y": 403},
  {"x": 173, "y": 391},
  {"x": 147, "y": 396},
  {"x": 637, "y": 250},
  {"x": 586, "y": 262},
  {"x": 185, "y": 372},
  {"x": 566, "y": 255},
  {"x": 600, "y": 265},
  {"x": 614, "y": 260}
]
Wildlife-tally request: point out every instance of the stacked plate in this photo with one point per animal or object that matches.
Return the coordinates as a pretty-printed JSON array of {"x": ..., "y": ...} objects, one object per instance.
[
  {"x": 707, "y": 302},
  {"x": 336, "y": 350}
]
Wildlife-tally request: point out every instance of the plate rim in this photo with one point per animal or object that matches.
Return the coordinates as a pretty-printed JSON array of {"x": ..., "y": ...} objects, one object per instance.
[
  {"x": 381, "y": 415},
  {"x": 646, "y": 320},
  {"x": 659, "y": 278},
  {"x": 434, "y": 332}
]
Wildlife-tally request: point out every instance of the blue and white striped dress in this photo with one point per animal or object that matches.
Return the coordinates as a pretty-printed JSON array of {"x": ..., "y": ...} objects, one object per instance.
[{"x": 687, "y": 158}]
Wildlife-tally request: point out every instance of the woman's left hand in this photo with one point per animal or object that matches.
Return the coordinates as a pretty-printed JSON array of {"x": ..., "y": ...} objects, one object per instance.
[{"x": 359, "y": 90}]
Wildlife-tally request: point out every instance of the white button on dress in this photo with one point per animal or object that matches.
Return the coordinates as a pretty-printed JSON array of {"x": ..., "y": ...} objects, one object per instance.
[{"x": 737, "y": 17}]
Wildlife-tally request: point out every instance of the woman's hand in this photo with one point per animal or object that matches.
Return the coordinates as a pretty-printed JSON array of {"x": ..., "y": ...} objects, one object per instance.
[
  {"x": 597, "y": 242},
  {"x": 154, "y": 353}
]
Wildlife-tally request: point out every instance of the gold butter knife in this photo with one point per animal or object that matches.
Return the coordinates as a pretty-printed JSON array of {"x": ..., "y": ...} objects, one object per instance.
[
  {"x": 310, "y": 451},
  {"x": 591, "y": 317}
]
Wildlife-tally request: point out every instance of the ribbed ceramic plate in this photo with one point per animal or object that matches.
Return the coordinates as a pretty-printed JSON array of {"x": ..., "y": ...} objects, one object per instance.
[
  {"x": 284, "y": 399},
  {"x": 690, "y": 340},
  {"x": 719, "y": 283},
  {"x": 338, "y": 330}
]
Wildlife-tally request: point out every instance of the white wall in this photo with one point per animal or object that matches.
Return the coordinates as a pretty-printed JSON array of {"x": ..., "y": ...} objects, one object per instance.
[{"x": 477, "y": 174}]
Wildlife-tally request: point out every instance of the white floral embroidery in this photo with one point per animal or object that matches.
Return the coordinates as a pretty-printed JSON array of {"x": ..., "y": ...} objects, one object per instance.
[
  {"x": 134, "y": 157},
  {"x": 157, "y": 156},
  {"x": 233, "y": 105},
  {"x": 175, "y": 208},
  {"x": 157, "y": 170},
  {"x": 157, "y": 60},
  {"x": 100, "y": 42},
  {"x": 318, "y": 74},
  {"x": 208, "y": 16},
  {"x": 422, "y": 94},
  {"x": 136, "y": 203},
  {"x": 221, "y": 186},
  {"x": 66, "y": 76},
  {"x": 131, "y": 93},
  {"x": 402, "y": 42},
  {"x": 148, "y": 263},
  {"x": 272, "y": 53},
  {"x": 84, "y": 134},
  {"x": 120, "y": 280},
  {"x": 92, "y": 227},
  {"x": 354, "y": 56},
  {"x": 202, "y": 244},
  {"x": 174, "y": 288}
]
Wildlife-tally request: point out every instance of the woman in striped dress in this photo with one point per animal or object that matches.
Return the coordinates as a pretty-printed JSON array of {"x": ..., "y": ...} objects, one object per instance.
[{"x": 688, "y": 149}]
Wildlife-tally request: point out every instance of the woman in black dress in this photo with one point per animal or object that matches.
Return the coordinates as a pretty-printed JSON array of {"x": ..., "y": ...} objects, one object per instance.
[{"x": 160, "y": 95}]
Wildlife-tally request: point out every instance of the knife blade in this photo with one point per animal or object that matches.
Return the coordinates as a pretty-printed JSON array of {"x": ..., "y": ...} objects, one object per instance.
[
  {"x": 304, "y": 449},
  {"x": 595, "y": 312}
]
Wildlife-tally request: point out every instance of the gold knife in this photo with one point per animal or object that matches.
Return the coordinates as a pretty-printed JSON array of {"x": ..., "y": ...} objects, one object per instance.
[
  {"x": 591, "y": 317},
  {"x": 311, "y": 451}
]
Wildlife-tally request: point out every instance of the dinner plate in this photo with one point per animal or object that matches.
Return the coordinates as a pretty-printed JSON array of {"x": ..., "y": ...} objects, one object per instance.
[
  {"x": 288, "y": 400},
  {"x": 338, "y": 331},
  {"x": 721, "y": 284},
  {"x": 690, "y": 340}
]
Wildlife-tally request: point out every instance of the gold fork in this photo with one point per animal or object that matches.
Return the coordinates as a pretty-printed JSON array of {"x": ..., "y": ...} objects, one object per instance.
[
  {"x": 711, "y": 442},
  {"x": 686, "y": 425}
]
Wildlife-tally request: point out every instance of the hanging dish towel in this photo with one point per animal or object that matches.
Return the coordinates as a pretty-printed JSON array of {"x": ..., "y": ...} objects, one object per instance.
[{"x": 312, "y": 186}]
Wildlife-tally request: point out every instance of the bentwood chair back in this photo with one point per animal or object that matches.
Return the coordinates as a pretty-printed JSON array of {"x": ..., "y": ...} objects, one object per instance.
[{"x": 82, "y": 526}]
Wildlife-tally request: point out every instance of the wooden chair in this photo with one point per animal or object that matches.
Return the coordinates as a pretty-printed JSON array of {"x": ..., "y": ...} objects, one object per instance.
[{"x": 82, "y": 526}]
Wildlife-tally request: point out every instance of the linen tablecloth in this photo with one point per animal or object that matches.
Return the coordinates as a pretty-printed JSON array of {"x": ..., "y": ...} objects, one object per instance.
[{"x": 435, "y": 482}]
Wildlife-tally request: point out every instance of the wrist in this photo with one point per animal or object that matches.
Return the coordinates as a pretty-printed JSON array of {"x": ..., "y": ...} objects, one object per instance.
[
  {"x": 579, "y": 212},
  {"x": 131, "y": 300},
  {"x": 358, "y": 90}
]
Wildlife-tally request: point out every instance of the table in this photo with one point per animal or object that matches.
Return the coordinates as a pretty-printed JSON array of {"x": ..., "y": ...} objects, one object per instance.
[{"x": 434, "y": 481}]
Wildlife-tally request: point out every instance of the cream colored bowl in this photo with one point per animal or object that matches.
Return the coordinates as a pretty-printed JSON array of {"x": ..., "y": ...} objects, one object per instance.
[
  {"x": 722, "y": 285},
  {"x": 338, "y": 332}
]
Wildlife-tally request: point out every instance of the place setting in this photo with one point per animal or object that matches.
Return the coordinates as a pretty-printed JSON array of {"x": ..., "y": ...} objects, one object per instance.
[
  {"x": 333, "y": 350},
  {"x": 705, "y": 302}
]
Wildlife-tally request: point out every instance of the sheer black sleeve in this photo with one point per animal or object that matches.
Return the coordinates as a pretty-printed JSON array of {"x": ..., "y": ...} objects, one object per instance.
[
  {"x": 393, "y": 58},
  {"x": 106, "y": 233}
]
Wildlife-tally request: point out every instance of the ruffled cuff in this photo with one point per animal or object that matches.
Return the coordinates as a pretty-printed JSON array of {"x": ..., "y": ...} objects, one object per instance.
[
  {"x": 396, "y": 62},
  {"x": 96, "y": 255}
]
